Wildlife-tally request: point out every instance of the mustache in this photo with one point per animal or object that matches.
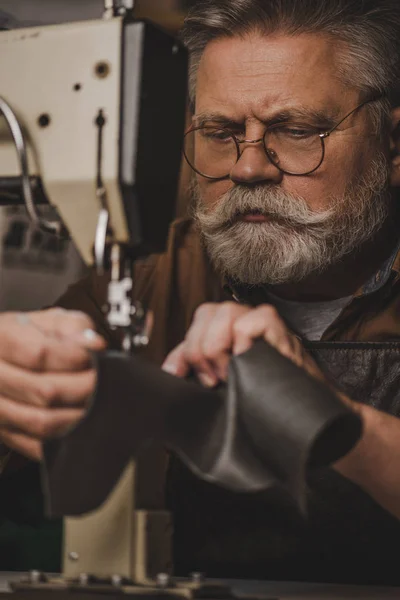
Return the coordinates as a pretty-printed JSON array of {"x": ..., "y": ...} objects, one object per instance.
[{"x": 271, "y": 202}]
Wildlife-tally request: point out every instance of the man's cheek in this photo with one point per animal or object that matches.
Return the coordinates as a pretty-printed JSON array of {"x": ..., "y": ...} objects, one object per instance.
[
  {"x": 316, "y": 189},
  {"x": 211, "y": 191}
]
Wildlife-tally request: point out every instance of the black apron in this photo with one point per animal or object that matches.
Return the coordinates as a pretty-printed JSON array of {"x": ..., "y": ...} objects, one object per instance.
[{"x": 346, "y": 538}]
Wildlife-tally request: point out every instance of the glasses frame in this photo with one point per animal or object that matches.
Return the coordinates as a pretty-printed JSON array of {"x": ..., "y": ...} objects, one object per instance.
[{"x": 323, "y": 136}]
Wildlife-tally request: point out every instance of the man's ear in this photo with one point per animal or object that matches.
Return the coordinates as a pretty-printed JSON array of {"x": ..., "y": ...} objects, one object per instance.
[{"x": 395, "y": 148}]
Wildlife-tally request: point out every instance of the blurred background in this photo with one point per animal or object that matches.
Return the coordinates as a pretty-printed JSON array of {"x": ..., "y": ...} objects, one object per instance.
[
  {"x": 36, "y": 268},
  {"x": 167, "y": 12}
]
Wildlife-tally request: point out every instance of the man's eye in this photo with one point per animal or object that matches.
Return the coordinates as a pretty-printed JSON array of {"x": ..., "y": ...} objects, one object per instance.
[
  {"x": 217, "y": 134},
  {"x": 298, "y": 132}
]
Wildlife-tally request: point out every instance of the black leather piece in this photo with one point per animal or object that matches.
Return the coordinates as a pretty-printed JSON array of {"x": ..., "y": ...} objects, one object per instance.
[
  {"x": 346, "y": 538},
  {"x": 270, "y": 423}
]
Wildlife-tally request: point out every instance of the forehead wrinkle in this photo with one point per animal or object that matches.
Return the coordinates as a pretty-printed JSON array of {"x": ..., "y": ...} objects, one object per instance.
[
  {"x": 274, "y": 56},
  {"x": 285, "y": 113},
  {"x": 269, "y": 80}
]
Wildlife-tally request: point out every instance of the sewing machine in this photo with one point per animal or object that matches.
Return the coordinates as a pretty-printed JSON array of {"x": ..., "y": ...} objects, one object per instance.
[{"x": 84, "y": 130}]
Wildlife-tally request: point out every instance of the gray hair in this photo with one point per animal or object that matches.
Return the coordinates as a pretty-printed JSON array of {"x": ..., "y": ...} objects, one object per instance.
[{"x": 367, "y": 33}]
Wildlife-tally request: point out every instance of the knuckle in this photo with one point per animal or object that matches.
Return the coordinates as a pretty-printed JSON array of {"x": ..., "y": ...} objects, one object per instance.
[
  {"x": 194, "y": 356},
  {"x": 269, "y": 312},
  {"x": 34, "y": 356},
  {"x": 211, "y": 351},
  {"x": 241, "y": 327},
  {"x": 286, "y": 349},
  {"x": 204, "y": 310},
  {"x": 296, "y": 344},
  {"x": 43, "y": 425},
  {"x": 46, "y": 391},
  {"x": 230, "y": 310}
]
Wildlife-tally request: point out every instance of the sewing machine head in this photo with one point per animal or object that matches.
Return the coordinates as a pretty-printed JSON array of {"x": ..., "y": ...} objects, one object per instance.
[{"x": 94, "y": 113}]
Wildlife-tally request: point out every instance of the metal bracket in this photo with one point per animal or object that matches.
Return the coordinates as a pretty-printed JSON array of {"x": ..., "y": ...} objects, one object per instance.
[
  {"x": 7, "y": 112},
  {"x": 117, "y": 8}
]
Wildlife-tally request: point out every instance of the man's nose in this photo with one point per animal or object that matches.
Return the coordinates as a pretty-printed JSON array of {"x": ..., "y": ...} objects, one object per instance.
[{"x": 254, "y": 165}]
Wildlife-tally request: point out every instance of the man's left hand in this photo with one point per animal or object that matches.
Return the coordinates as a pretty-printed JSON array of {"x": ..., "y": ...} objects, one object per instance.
[{"x": 221, "y": 330}]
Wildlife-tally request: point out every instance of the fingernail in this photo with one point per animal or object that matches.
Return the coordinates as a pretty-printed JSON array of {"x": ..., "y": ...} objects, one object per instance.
[
  {"x": 169, "y": 368},
  {"x": 207, "y": 380},
  {"x": 90, "y": 335},
  {"x": 87, "y": 335}
]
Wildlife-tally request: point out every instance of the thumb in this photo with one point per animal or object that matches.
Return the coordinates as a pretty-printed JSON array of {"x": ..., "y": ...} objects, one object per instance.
[{"x": 176, "y": 363}]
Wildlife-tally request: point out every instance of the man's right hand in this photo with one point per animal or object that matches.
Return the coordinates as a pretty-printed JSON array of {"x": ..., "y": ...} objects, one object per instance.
[{"x": 46, "y": 375}]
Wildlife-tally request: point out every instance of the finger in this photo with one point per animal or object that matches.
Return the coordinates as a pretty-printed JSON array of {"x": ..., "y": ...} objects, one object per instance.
[
  {"x": 217, "y": 340},
  {"x": 23, "y": 444},
  {"x": 25, "y": 345},
  {"x": 193, "y": 351},
  {"x": 46, "y": 389},
  {"x": 61, "y": 323},
  {"x": 40, "y": 423},
  {"x": 263, "y": 321},
  {"x": 176, "y": 363}
]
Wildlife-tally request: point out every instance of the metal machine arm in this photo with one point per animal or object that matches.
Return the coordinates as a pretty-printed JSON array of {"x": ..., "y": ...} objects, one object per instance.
[{"x": 82, "y": 108}]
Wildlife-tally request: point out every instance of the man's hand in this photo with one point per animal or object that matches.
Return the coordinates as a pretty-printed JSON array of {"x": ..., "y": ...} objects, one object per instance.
[
  {"x": 221, "y": 330},
  {"x": 46, "y": 376}
]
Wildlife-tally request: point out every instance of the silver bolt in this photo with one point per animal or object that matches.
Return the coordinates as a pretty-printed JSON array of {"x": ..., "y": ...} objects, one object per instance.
[
  {"x": 163, "y": 580},
  {"x": 175, "y": 49},
  {"x": 35, "y": 576},
  {"x": 73, "y": 556},
  {"x": 197, "y": 577},
  {"x": 116, "y": 580},
  {"x": 83, "y": 578}
]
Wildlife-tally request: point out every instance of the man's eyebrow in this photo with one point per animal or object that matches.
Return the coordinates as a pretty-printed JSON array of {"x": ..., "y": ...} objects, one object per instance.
[
  {"x": 214, "y": 117},
  {"x": 319, "y": 117}
]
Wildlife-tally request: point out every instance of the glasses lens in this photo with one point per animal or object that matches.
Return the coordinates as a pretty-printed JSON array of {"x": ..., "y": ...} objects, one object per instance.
[
  {"x": 210, "y": 151},
  {"x": 293, "y": 149}
]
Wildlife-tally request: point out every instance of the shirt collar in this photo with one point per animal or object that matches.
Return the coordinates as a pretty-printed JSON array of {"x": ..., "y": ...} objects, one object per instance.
[{"x": 382, "y": 276}]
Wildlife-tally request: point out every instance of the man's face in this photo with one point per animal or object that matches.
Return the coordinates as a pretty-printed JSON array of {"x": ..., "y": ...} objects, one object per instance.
[{"x": 247, "y": 84}]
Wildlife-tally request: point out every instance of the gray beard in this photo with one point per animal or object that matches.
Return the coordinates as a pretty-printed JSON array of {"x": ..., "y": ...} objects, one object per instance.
[{"x": 296, "y": 241}]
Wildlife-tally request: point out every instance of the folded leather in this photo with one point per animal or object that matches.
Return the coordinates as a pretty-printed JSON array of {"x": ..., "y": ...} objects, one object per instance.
[{"x": 265, "y": 428}]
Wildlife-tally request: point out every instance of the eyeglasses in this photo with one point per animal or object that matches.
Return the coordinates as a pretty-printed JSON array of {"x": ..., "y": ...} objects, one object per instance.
[{"x": 293, "y": 148}]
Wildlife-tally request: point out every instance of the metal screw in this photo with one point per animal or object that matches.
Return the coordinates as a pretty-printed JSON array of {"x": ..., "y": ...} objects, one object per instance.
[
  {"x": 73, "y": 556},
  {"x": 197, "y": 577},
  {"x": 175, "y": 49},
  {"x": 116, "y": 580},
  {"x": 83, "y": 578},
  {"x": 163, "y": 580},
  {"x": 36, "y": 577}
]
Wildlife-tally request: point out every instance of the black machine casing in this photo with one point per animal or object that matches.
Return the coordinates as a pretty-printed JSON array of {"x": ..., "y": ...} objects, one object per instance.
[{"x": 156, "y": 64}]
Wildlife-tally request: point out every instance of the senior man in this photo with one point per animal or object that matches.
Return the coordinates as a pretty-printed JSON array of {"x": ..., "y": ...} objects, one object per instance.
[{"x": 294, "y": 146}]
